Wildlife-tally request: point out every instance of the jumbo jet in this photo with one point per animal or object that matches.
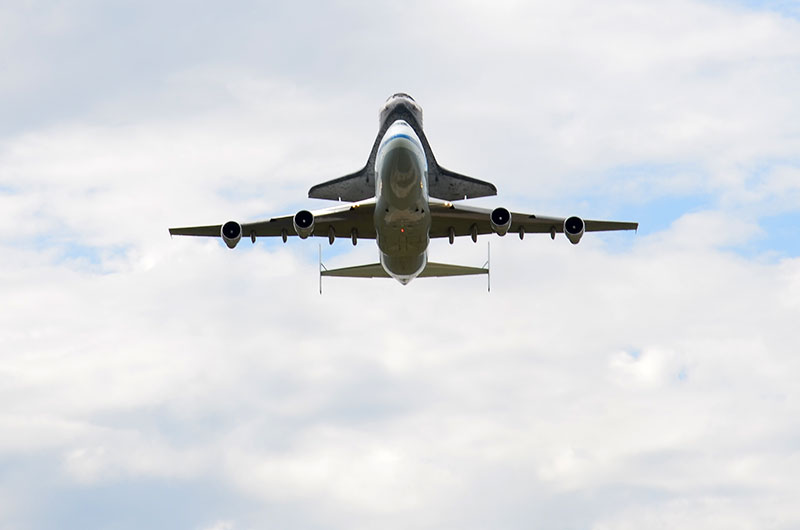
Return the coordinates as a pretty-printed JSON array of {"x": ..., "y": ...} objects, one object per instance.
[{"x": 402, "y": 198}]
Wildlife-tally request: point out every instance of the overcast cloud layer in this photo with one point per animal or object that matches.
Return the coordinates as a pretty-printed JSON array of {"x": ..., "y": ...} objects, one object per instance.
[{"x": 633, "y": 381}]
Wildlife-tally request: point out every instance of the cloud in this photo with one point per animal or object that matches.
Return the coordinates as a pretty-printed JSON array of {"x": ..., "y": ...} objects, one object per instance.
[
  {"x": 629, "y": 381},
  {"x": 221, "y": 525},
  {"x": 546, "y": 401}
]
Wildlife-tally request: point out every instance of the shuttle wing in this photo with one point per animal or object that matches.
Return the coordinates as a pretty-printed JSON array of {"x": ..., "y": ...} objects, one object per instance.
[
  {"x": 351, "y": 188},
  {"x": 468, "y": 219},
  {"x": 451, "y": 186},
  {"x": 442, "y": 184}
]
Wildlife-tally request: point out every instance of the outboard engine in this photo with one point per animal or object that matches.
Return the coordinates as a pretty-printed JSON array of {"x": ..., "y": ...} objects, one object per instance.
[
  {"x": 231, "y": 233},
  {"x": 303, "y": 223},
  {"x": 500, "y": 220},
  {"x": 574, "y": 228}
]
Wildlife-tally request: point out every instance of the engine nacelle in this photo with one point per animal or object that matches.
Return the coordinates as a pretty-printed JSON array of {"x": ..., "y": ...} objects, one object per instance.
[
  {"x": 303, "y": 223},
  {"x": 231, "y": 233},
  {"x": 574, "y": 228},
  {"x": 500, "y": 220}
]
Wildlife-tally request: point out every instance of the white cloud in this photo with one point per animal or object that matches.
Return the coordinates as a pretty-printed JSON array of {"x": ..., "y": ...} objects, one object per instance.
[
  {"x": 643, "y": 384},
  {"x": 221, "y": 525},
  {"x": 195, "y": 382}
]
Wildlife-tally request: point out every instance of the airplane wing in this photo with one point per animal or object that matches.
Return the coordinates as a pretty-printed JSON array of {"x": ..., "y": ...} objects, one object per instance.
[
  {"x": 342, "y": 219},
  {"x": 466, "y": 220}
]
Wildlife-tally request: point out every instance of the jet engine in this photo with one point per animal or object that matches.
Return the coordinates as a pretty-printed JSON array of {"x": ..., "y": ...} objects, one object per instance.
[
  {"x": 500, "y": 219},
  {"x": 574, "y": 228},
  {"x": 231, "y": 233},
  {"x": 303, "y": 223}
]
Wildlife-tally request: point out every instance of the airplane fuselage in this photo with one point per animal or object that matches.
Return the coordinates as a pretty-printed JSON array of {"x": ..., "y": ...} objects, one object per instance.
[
  {"x": 402, "y": 214},
  {"x": 403, "y": 198}
]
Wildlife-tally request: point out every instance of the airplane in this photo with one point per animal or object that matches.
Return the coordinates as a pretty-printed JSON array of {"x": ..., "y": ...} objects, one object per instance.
[{"x": 402, "y": 198}]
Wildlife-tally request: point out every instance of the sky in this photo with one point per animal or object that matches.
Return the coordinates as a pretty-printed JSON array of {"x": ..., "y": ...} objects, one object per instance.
[{"x": 643, "y": 380}]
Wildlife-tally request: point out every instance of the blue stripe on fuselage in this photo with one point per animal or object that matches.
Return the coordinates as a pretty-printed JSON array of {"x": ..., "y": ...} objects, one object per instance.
[{"x": 401, "y": 135}]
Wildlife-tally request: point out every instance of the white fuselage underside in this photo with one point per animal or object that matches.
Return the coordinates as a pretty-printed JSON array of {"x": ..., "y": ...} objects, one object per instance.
[{"x": 402, "y": 214}]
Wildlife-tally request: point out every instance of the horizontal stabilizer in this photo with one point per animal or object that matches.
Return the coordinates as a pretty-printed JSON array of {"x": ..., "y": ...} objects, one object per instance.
[
  {"x": 373, "y": 270},
  {"x": 435, "y": 270},
  {"x": 432, "y": 270}
]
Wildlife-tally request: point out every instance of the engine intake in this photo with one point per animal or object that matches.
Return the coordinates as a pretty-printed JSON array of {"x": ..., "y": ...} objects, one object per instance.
[
  {"x": 500, "y": 220},
  {"x": 231, "y": 233},
  {"x": 574, "y": 228},
  {"x": 303, "y": 223}
]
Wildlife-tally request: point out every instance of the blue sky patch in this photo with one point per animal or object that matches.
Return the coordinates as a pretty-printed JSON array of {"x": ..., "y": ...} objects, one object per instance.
[
  {"x": 71, "y": 253},
  {"x": 137, "y": 504},
  {"x": 781, "y": 235},
  {"x": 789, "y": 8}
]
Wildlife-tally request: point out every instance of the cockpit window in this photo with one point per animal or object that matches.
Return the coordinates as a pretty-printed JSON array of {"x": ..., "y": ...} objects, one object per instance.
[{"x": 401, "y": 95}]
